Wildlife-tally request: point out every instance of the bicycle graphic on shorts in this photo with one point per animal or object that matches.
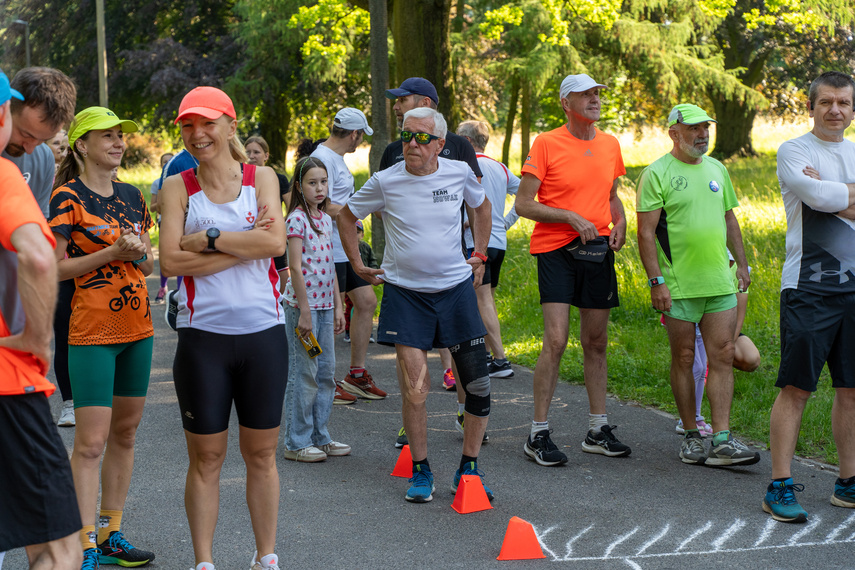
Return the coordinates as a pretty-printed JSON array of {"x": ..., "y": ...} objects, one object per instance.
[{"x": 126, "y": 297}]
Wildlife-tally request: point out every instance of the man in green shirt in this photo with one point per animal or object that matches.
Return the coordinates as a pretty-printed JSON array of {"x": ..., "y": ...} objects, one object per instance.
[{"x": 686, "y": 224}]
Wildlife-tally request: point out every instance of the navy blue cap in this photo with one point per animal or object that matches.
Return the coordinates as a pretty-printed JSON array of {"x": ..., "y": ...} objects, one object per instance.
[{"x": 414, "y": 86}]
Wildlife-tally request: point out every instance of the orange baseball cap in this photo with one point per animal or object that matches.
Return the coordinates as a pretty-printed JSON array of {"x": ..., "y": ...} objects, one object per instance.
[{"x": 209, "y": 102}]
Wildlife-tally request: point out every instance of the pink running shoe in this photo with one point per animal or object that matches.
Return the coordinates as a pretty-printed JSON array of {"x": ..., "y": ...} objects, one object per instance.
[{"x": 448, "y": 381}]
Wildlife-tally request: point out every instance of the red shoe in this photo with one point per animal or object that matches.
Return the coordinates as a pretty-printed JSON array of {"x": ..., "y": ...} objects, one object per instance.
[
  {"x": 363, "y": 386},
  {"x": 342, "y": 397},
  {"x": 448, "y": 381}
]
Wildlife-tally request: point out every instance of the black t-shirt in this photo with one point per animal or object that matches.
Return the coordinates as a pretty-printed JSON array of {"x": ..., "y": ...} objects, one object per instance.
[{"x": 456, "y": 148}]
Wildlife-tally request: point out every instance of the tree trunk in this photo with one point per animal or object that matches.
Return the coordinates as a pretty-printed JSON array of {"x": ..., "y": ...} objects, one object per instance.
[
  {"x": 512, "y": 115},
  {"x": 274, "y": 123},
  {"x": 379, "y": 108},
  {"x": 525, "y": 121},
  {"x": 735, "y": 119},
  {"x": 421, "y": 31}
]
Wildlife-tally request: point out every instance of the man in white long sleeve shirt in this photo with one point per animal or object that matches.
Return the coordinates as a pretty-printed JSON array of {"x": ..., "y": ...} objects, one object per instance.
[{"x": 816, "y": 172}]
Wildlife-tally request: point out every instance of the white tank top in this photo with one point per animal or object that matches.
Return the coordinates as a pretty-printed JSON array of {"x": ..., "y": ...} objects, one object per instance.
[{"x": 242, "y": 299}]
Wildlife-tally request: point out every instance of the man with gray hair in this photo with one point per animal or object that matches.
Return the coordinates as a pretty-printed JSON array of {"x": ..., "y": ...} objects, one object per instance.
[
  {"x": 428, "y": 298},
  {"x": 580, "y": 224}
]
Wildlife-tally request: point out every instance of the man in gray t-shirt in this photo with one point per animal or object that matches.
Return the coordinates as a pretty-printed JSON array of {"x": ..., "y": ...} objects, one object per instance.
[{"x": 38, "y": 168}]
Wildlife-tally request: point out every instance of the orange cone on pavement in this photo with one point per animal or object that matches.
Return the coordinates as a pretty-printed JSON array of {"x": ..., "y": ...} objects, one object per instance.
[
  {"x": 520, "y": 542},
  {"x": 404, "y": 466},
  {"x": 471, "y": 496}
]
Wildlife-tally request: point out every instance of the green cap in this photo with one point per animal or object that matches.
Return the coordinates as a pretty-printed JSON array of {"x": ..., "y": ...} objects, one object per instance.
[
  {"x": 97, "y": 118},
  {"x": 688, "y": 114}
]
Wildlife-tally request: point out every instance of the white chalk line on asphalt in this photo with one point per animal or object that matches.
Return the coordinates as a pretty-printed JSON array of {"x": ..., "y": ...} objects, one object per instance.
[{"x": 734, "y": 532}]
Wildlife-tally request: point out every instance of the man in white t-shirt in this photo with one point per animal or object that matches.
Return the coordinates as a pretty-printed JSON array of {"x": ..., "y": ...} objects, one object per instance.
[
  {"x": 498, "y": 183},
  {"x": 816, "y": 172},
  {"x": 346, "y": 134},
  {"x": 428, "y": 298}
]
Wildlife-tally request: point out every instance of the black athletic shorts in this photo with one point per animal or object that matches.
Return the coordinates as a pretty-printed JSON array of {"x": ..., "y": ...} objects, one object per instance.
[
  {"x": 213, "y": 370},
  {"x": 493, "y": 267},
  {"x": 429, "y": 320},
  {"x": 816, "y": 329},
  {"x": 583, "y": 284},
  {"x": 39, "y": 504},
  {"x": 348, "y": 280}
]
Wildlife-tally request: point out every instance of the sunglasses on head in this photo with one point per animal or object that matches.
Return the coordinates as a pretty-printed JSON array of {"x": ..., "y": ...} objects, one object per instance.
[{"x": 421, "y": 138}]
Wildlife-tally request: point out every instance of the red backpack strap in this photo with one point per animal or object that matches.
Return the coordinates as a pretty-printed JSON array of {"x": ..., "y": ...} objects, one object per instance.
[{"x": 248, "y": 175}]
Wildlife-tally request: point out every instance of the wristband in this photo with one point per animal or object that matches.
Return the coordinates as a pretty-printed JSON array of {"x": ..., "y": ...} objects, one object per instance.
[
  {"x": 140, "y": 260},
  {"x": 479, "y": 255}
]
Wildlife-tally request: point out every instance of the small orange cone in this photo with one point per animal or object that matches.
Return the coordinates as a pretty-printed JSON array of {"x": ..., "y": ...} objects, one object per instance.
[
  {"x": 471, "y": 496},
  {"x": 520, "y": 542},
  {"x": 404, "y": 466}
]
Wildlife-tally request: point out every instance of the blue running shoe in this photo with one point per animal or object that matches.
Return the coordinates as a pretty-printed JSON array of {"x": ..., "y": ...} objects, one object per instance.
[
  {"x": 844, "y": 495},
  {"x": 90, "y": 559},
  {"x": 117, "y": 550},
  {"x": 422, "y": 488},
  {"x": 471, "y": 469},
  {"x": 781, "y": 503}
]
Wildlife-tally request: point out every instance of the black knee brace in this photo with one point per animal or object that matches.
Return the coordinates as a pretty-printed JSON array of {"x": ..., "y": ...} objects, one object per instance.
[{"x": 471, "y": 360}]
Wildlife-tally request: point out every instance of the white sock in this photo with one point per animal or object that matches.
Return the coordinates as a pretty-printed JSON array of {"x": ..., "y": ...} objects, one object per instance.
[
  {"x": 596, "y": 421},
  {"x": 538, "y": 427},
  {"x": 460, "y": 408}
]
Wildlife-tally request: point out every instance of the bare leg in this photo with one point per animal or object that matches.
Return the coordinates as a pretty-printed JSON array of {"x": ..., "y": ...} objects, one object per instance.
[
  {"x": 746, "y": 357},
  {"x": 258, "y": 448},
  {"x": 415, "y": 384},
  {"x": 490, "y": 317},
  {"x": 681, "y": 338},
  {"x": 118, "y": 465},
  {"x": 785, "y": 422},
  {"x": 361, "y": 323},
  {"x": 843, "y": 427},
  {"x": 595, "y": 340},
  {"x": 202, "y": 491},
  {"x": 60, "y": 554},
  {"x": 93, "y": 429},
  {"x": 555, "y": 323},
  {"x": 473, "y": 435},
  {"x": 717, "y": 332}
]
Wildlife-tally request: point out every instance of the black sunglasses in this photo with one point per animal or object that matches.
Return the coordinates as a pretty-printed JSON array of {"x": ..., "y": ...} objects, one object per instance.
[{"x": 421, "y": 138}]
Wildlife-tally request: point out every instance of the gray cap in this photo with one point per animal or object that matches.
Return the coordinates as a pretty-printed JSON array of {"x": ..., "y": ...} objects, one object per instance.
[
  {"x": 578, "y": 84},
  {"x": 352, "y": 119}
]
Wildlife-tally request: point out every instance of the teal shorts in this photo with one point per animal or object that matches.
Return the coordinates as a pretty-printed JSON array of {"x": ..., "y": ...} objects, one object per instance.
[
  {"x": 99, "y": 372},
  {"x": 691, "y": 310}
]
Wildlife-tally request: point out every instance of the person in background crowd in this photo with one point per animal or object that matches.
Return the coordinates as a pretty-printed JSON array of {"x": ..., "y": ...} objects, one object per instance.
[{"x": 258, "y": 153}]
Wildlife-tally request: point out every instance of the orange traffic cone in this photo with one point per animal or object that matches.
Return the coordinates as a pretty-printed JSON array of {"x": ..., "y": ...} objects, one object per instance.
[
  {"x": 471, "y": 496},
  {"x": 404, "y": 466},
  {"x": 520, "y": 542}
]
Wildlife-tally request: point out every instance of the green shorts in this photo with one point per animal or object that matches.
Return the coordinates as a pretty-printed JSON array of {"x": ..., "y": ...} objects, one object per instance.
[
  {"x": 99, "y": 372},
  {"x": 691, "y": 310}
]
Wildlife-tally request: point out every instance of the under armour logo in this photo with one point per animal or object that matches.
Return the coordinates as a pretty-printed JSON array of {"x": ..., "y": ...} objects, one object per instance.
[{"x": 818, "y": 274}]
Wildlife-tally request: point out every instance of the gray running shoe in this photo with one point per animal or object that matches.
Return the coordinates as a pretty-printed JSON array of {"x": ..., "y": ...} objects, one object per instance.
[
  {"x": 692, "y": 450},
  {"x": 731, "y": 452}
]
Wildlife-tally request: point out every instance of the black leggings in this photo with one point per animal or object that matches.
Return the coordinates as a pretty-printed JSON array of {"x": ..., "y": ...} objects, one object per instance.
[
  {"x": 60, "y": 332},
  {"x": 213, "y": 370}
]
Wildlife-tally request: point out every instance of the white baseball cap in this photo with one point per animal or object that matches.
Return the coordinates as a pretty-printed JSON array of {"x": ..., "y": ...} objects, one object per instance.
[
  {"x": 352, "y": 119},
  {"x": 578, "y": 84}
]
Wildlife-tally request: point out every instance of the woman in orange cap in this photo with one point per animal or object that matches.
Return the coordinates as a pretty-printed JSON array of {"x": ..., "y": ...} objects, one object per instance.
[
  {"x": 221, "y": 224},
  {"x": 101, "y": 228}
]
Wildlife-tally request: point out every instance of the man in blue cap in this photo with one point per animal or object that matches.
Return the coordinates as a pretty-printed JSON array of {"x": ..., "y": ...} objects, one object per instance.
[{"x": 39, "y": 511}]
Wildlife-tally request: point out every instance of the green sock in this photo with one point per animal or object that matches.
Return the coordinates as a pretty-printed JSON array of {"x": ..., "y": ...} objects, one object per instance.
[{"x": 721, "y": 437}]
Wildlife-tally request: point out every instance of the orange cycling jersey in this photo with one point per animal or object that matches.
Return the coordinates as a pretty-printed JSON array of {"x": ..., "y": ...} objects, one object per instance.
[
  {"x": 20, "y": 372},
  {"x": 575, "y": 175},
  {"x": 111, "y": 303}
]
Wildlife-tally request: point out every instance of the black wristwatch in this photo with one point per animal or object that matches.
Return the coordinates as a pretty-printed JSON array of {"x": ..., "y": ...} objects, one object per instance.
[{"x": 213, "y": 234}]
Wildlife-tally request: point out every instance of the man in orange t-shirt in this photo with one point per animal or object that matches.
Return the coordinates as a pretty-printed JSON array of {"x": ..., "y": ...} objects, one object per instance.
[
  {"x": 580, "y": 223},
  {"x": 39, "y": 511}
]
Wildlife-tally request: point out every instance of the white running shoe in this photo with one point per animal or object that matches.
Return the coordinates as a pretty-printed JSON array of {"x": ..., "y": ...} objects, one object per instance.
[
  {"x": 269, "y": 562},
  {"x": 205, "y": 566},
  {"x": 66, "y": 416},
  {"x": 335, "y": 448}
]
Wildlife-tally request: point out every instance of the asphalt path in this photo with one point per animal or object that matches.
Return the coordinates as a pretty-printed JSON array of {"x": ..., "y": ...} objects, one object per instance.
[{"x": 647, "y": 510}]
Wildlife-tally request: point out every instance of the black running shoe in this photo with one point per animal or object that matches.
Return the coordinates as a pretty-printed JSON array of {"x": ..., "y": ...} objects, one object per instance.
[
  {"x": 117, "y": 550},
  {"x": 542, "y": 450},
  {"x": 171, "y": 314},
  {"x": 605, "y": 443},
  {"x": 500, "y": 369}
]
